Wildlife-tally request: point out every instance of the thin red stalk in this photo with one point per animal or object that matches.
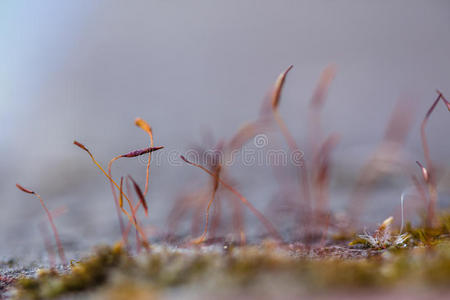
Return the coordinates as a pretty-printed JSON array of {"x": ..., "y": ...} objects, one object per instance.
[
  {"x": 238, "y": 221},
  {"x": 302, "y": 168},
  {"x": 446, "y": 102},
  {"x": 243, "y": 135},
  {"x": 121, "y": 192},
  {"x": 431, "y": 183},
  {"x": 303, "y": 174},
  {"x": 180, "y": 208},
  {"x": 96, "y": 163},
  {"x": 419, "y": 188},
  {"x": 124, "y": 236},
  {"x": 319, "y": 153},
  {"x": 48, "y": 245},
  {"x": 321, "y": 180},
  {"x": 133, "y": 213},
  {"x": 144, "y": 126},
  {"x": 270, "y": 228},
  {"x": 176, "y": 213},
  {"x": 133, "y": 221},
  {"x": 130, "y": 224},
  {"x": 315, "y": 109},
  {"x": 216, "y": 217},
  {"x": 131, "y": 154},
  {"x": 117, "y": 203},
  {"x": 202, "y": 238},
  {"x": 50, "y": 219},
  {"x": 55, "y": 232},
  {"x": 144, "y": 239},
  {"x": 147, "y": 178}
]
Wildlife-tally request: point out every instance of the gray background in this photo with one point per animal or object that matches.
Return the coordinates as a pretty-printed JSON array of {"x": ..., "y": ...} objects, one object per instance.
[{"x": 85, "y": 69}]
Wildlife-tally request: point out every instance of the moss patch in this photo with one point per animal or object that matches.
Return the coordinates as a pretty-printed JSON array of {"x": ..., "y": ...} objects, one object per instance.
[{"x": 112, "y": 274}]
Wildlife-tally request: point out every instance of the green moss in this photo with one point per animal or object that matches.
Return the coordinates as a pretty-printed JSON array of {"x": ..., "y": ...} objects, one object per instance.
[
  {"x": 359, "y": 241},
  {"x": 112, "y": 273},
  {"x": 88, "y": 273},
  {"x": 431, "y": 236},
  {"x": 415, "y": 236}
]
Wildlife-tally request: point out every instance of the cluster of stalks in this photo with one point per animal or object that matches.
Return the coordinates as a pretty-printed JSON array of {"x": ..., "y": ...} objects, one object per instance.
[
  {"x": 311, "y": 209},
  {"x": 131, "y": 214},
  {"x": 141, "y": 237},
  {"x": 428, "y": 171},
  {"x": 320, "y": 168}
]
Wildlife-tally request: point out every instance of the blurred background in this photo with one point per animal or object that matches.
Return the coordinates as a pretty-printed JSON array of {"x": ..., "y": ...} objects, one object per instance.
[{"x": 85, "y": 69}]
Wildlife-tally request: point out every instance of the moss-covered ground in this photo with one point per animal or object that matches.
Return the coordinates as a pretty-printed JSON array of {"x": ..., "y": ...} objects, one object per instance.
[{"x": 419, "y": 267}]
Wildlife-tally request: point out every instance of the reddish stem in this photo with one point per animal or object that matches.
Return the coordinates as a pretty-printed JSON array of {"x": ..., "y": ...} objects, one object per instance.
[{"x": 270, "y": 228}]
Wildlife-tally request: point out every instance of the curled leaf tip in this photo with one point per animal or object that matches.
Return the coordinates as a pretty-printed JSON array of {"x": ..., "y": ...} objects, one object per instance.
[
  {"x": 187, "y": 161},
  {"x": 184, "y": 159},
  {"x": 28, "y": 191},
  {"x": 80, "y": 145},
  {"x": 441, "y": 96},
  {"x": 425, "y": 174},
  {"x": 143, "y": 125},
  {"x": 278, "y": 86}
]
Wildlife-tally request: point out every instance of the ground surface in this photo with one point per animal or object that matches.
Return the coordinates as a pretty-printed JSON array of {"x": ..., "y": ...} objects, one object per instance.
[{"x": 223, "y": 271}]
